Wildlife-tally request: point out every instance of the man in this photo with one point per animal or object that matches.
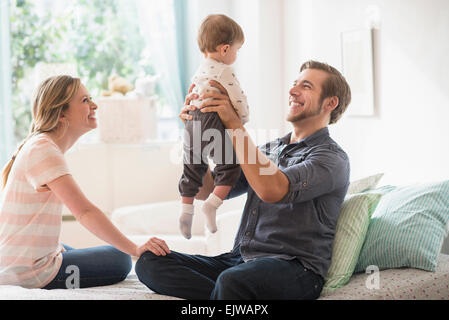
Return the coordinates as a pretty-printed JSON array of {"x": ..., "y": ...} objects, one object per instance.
[{"x": 295, "y": 189}]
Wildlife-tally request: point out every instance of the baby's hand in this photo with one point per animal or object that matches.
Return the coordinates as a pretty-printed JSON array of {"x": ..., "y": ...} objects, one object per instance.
[{"x": 184, "y": 114}]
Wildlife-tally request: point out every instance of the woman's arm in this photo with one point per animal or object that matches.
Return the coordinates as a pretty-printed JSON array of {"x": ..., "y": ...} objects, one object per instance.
[{"x": 67, "y": 190}]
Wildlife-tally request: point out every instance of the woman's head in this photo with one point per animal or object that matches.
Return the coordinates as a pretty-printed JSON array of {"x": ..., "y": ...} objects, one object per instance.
[
  {"x": 55, "y": 104},
  {"x": 51, "y": 101}
]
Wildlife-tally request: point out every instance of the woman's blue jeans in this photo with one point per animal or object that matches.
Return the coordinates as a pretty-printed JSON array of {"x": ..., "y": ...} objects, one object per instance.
[
  {"x": 91, "y": 267},
  {"x": 227, "y": 277}
]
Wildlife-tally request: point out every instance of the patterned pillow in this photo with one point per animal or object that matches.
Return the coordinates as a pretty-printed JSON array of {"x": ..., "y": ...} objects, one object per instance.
[
  {"x": 363, "y": 184},
  {"x": 352, "y": 225},
  {"x": 407, "y": 228}
]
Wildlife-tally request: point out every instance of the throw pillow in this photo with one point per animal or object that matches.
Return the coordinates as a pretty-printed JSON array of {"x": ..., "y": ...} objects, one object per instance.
[
  {"x": 364, "y": 184},
  {"x": 407, "y": 228},
  {"x": 352, "y": 225}
]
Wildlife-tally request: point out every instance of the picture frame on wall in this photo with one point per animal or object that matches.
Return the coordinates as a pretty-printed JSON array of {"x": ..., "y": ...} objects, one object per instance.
[{"x": 357, "y": 67}]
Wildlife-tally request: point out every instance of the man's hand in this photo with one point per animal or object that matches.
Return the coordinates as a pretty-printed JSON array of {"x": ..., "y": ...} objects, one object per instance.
[
  {"x": 155, "y": 245},
  {"x": 221, "y": 104}
]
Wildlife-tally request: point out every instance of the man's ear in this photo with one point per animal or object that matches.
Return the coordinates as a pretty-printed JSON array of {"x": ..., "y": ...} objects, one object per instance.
[{"x": 331, "y": 103}]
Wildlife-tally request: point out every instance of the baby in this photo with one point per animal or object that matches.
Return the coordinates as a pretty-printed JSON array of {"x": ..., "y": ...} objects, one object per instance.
[{"x": 219, "y": 39}]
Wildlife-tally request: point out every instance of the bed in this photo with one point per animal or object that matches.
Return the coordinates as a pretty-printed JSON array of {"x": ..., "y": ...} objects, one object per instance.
[
  {"x": 412, "y": 220},
  {"x": 399, "y": 284},
  {"x": 395, "y": 284},
  {"x": 129, "y": 289}
]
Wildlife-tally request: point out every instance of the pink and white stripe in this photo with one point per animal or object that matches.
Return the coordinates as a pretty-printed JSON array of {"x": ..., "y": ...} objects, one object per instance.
[{"x": 31, "y": 216}]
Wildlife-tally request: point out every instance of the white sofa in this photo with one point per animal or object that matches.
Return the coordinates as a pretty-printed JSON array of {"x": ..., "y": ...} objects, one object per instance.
[{"x": 161, "y": 220}]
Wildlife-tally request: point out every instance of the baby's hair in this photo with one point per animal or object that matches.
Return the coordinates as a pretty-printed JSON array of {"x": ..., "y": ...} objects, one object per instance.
[{"x": 218, "y": 29}]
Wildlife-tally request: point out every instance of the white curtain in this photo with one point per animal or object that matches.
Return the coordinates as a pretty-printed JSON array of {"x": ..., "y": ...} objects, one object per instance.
[
  {"x": 6, "y": 120},
  {"x": 158, "y": 25}
]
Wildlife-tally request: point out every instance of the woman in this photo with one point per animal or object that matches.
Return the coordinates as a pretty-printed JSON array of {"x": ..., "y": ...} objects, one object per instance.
[{"x": 37, "y": 183}]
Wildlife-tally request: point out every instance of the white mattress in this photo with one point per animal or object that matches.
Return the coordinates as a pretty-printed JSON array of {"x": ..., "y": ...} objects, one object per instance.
[{"x": 400, "y": 284}]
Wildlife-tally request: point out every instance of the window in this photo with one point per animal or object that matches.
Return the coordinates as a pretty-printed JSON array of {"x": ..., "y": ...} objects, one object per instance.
[
  {"x": 5, "y": 86},
  {"x": 94, "y": 39}
]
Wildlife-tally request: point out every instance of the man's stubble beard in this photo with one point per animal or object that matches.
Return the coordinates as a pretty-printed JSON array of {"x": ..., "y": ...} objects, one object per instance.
[{"x": 306, "y": 115}]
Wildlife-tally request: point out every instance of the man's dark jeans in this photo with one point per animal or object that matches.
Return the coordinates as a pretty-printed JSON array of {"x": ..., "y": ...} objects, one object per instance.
[{"x": 227, "y": 277}]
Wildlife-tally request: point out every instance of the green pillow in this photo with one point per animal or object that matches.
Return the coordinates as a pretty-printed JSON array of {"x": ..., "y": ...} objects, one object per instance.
[
  {"x": 407, "y": 228},
  {"x": 352, "y": 225}
]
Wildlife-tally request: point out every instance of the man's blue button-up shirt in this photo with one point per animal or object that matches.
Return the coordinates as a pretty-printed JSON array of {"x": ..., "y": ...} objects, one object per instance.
[{"x": 302, "y": 224}]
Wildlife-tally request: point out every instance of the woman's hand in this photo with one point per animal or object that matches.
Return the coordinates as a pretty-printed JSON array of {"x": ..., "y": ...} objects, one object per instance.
[
  {"x": 155, "y": 245},
  {"x": 184, "y": 114},
  {"x": 221, "y": 104}
]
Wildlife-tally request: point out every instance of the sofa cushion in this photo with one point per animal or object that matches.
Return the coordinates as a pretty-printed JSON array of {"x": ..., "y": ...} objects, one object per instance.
[
  {"x": 352, "y": 225},
  {"x": 365, "y": 183},
  {"x": 407, "y": 228}
]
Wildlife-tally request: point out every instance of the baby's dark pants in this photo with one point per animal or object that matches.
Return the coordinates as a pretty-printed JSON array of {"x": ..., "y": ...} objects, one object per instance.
[{"x": 217, "y": 144}]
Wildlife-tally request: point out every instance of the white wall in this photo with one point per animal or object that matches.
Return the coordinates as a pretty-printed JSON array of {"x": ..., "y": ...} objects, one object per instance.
[{"x": 409, "y": 139}]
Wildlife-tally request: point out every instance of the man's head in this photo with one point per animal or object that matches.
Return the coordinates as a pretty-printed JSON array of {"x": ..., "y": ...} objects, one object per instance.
[
  {"x": 216, "y": 30},
  {"x": 320, "y": 91}
]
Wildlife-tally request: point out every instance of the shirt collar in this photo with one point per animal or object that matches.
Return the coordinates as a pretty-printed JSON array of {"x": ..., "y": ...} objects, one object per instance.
[{"x": 308, "y": 141}]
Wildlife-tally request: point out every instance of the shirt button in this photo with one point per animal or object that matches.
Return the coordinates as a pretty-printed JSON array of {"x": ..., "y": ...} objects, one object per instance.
[
  {"x": 254, "y": 211},
  {"x": 304, "y": 184},
  {"x": 248, "y": 233}
]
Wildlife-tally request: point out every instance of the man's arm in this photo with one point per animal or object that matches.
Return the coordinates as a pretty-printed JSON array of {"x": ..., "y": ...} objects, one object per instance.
[{"x": 326, "y": 169}]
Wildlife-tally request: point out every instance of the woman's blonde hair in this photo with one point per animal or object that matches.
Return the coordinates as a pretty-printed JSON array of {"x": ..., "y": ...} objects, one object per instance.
[{"x": 51, "y": 99}]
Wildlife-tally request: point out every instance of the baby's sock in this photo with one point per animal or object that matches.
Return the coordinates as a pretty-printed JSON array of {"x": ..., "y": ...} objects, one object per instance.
[
  {"x": 209, "y": 208},
  {"x": 185, "y": 221}
]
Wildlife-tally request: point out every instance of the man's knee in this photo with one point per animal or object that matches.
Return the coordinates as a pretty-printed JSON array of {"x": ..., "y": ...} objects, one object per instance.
[
  {"x": 230, "y": 285},
  {"x": 146, "y": 263},
  {"x": 150, "y": 269}
]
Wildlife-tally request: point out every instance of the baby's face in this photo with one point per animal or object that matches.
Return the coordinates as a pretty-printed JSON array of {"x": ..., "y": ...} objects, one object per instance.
[{"x": 231, "y": 54}]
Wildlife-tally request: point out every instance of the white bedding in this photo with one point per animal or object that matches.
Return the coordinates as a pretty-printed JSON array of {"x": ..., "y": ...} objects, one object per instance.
[
  {"x": 399, "y": 284},
  {"x": 129, "y": 289},
  {"x": 403, "y": 284}
]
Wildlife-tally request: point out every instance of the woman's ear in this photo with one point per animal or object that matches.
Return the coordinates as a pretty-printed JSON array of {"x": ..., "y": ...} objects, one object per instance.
[{"x": 62, "y": 118}]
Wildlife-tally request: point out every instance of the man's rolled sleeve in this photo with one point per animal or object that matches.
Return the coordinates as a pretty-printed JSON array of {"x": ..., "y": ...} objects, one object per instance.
[{"x": 321, "y": 172}]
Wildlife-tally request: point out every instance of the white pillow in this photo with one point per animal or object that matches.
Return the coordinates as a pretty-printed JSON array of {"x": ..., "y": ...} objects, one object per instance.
[{"x": 364, "y": 184}]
